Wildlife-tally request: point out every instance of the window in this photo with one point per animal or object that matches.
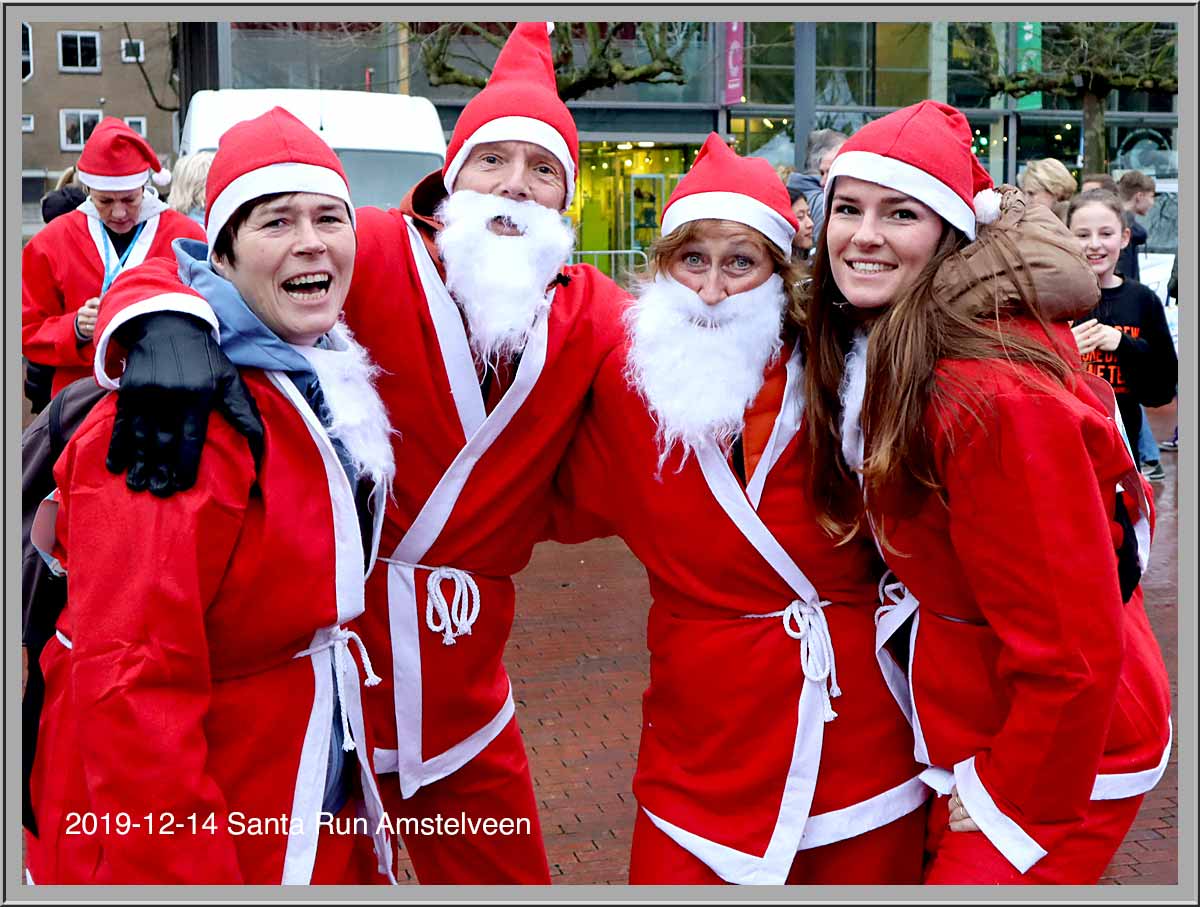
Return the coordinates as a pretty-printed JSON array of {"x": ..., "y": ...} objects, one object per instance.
[
  {"x": 843, "y": 68},
  {"x": 74, "y": 127},
  {"x": 78, "y": 51},
  {"x": 27, "y": 122},
  {"x": 26, "y": 52},
  {"x": 901, "y": 63},
  {"x": 137, "y": 124},
  {"x": 770, "y": 62},
  {"x": 133, "y": 50}
]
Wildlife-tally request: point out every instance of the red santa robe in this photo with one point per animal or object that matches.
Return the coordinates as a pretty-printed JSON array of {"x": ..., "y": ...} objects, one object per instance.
[
  {"x": 756, "y": 616},
  {"x": 199, "y": 665},
  {"x": 1035, "y": 689},
  {"x": 63, "y": 266},
  {"x": 468, "y": 502}
]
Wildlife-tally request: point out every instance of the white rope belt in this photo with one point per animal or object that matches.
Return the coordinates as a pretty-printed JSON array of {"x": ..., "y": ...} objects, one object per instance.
[
  {"x": 456, "y": 617},
  {"x": 807, "y": 623},
  {"x": 339, "y": 640}
]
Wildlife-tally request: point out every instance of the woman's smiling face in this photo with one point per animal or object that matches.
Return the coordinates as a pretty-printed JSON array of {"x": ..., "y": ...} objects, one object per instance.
[
  {"x": 879, "y": 241},
  {"x": 293, "y": 260}
]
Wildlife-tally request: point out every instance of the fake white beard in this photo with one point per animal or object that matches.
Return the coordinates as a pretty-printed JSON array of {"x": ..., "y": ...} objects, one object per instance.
[
  {"x": 500, "y": 282},
  {"x": 697, "y": 366},
  {"x": 359, "y": 419}
]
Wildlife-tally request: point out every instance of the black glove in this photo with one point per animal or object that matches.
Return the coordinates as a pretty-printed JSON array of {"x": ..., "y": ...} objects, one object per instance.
[{"x": 175, "y": 374}]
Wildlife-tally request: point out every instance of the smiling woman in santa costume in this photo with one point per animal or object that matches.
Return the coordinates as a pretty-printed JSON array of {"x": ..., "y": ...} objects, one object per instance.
[
  {"x": 772, "y": 749},
  {"x": 203, "y": 722},
  {"x": 1002, "y": 494},
  {"x": 71, "y": 263}
]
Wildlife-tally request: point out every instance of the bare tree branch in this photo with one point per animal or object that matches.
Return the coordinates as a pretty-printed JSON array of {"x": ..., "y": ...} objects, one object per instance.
[
  {"x": 1086, "y": 61},
  {"x": 150, "y": 85},
  {"x": 583, "y": 62}
]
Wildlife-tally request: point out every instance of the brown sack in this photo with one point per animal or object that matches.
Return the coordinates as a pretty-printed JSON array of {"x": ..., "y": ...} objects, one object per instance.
[{"x": 1029, "y": 254}]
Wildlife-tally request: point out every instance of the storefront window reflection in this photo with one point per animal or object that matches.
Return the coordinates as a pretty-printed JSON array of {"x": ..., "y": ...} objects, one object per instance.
[{"x": 622, "y": 189}]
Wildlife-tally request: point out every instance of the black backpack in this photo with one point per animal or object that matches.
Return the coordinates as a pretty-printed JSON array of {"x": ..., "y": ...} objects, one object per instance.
[
  {"x": 38, "y": 379},
  {"x": 44, "y": 595}
]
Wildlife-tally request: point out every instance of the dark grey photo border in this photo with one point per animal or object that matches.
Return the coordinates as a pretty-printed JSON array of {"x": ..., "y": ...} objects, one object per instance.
[{"x": 1185, "y": 15}]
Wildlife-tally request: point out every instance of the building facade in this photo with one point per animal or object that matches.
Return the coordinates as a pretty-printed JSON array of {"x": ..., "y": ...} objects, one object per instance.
[
  {"x": 75, "y": 73},
  {"x": 741, "y": 77}
]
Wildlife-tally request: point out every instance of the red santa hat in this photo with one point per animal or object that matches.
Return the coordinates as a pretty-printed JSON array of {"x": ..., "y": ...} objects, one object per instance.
[
  {"x": 923, "y": 151},
  {"x": 271, "y": 153},
  {"x": 520, "y": 103},
  {"x": 116, "y": 158},
  {"x": 723, "y": 186}
]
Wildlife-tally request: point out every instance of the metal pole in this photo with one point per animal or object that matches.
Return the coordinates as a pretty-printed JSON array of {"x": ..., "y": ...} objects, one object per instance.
[
  {"x": 402, "y": 39},
  {"x": 805, "y": 88},
  {"x": 224, "y": 55},
  {"x": 1014, "y": 130}
]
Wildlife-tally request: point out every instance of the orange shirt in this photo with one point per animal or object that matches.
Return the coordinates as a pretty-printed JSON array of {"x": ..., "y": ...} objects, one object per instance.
[{"x": 760, "y": 415}]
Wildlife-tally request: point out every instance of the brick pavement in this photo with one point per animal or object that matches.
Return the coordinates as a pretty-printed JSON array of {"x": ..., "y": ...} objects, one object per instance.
[{"x": 579, "y": 665}]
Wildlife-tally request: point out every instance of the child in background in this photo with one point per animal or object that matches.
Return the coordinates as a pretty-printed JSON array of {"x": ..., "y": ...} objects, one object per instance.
[{"x": 1125, "y": 339}]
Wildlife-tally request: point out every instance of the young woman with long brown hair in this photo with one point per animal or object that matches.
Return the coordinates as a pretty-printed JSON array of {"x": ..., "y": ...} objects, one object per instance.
[{"x": 995, "y": 483}]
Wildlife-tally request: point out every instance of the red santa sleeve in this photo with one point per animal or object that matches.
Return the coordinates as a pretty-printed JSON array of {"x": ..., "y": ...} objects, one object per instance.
[
  {"x": 142, "y": 572},
  {"x": 583, "y": 504},
  {"x": 153, "y": 286},
  {"x": 1031, "y": 527},
  {"x": 47, "y": 328}
]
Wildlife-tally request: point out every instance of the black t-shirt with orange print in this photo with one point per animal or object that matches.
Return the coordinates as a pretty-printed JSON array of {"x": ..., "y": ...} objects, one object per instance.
[{"x": 1143, "y": 370}]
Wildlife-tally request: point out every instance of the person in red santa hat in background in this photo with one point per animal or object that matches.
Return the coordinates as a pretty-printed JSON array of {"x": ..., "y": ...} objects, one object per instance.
[
  {"x": 997, "y": 483},
  {"x": 487, "y": 343},
  {"x": 68, "y": 265},
  {"x": 202, "y": 699},
  {"x": 772, "y": 749}
]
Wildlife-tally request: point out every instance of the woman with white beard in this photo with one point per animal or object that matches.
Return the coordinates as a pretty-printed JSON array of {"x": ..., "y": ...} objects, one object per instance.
[
  {"x": 772, "y": 749},
  {"x": 202, "y": 719}
]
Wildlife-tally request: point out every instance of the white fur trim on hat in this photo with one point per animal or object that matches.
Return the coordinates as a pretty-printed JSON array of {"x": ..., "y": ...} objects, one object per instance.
[
  {"x": 730, "y": 206},
  {"x": 162, "y": 177},
  {"x": 113, "y": 183},
  {"x": 516, "y": 129},
  {"x": 284, "y": 177},
  {"x": 896, "y": 174}
]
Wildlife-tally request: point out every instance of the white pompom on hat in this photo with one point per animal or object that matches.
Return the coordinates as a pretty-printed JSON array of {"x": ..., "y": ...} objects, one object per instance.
[
  {"x": 271, "y": 153},
  {"x": 923, "y": 151},
  {"x": 520, "y": 103},
  {"x": 724, "y": 186},
  {"x": 115, "y": 159}
]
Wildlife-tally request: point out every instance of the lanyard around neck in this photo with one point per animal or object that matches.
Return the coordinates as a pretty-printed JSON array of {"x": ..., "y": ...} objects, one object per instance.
[{"x": 110, "y": 276}]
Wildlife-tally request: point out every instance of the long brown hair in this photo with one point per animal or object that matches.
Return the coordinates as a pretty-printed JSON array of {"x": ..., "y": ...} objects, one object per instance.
[
  {"x": 908, "y": 340},
  {"x": 791, "y": 269}
]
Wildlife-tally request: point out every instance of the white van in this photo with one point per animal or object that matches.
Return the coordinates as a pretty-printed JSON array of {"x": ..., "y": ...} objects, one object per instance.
[{"x": 386, "y": 142}]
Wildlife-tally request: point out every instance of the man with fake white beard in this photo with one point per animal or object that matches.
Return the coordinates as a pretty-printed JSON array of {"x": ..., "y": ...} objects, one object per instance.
[
  {"x": 487, "y": 347},
  {"x": 766, "y": 700}
]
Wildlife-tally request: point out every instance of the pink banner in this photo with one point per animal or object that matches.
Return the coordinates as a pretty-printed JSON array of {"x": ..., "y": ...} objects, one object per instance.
[{"x": 735, "y": 47}]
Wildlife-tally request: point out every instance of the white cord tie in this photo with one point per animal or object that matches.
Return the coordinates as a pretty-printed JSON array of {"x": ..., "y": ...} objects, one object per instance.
[
  {"x": 339, "y": 640},
  {"x": 456, "y": 618},
  {"x": 894, "y": 591},
  {"x": 807, "y": 624},
  {"x": 451, "y": 619}
]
